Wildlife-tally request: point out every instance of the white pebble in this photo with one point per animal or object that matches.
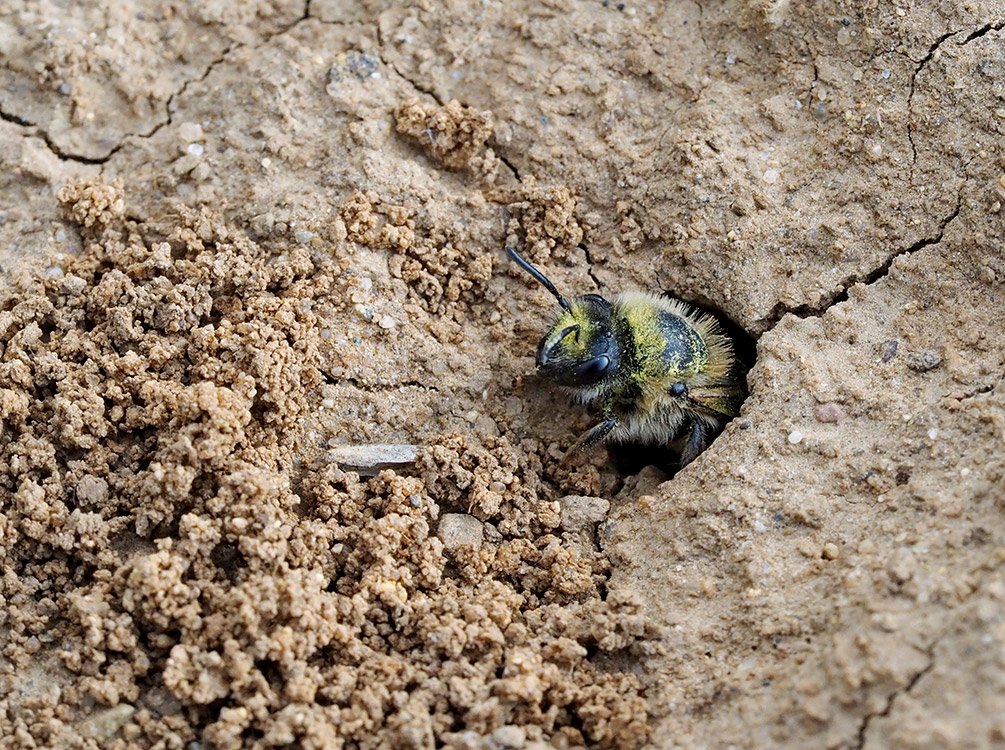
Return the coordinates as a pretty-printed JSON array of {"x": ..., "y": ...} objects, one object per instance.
[
  {"x": 759, "y": 527},
  {"x": 795, "y": 437},
  {"x": 196, "y": 149},
  {"x": 386, "y": 322},
  {"x": 770, "y": 176},
  {"x": 190, "y": 131},
  {"x": 933, "y": 434}
]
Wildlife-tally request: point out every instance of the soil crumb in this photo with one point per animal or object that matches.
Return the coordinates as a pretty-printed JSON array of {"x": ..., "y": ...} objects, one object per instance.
[
  {"x": 188, "y": 576},
  {"x": 453, "y": 134}
]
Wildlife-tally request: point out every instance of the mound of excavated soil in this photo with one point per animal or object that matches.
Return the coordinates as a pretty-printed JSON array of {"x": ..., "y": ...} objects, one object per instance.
[{"x": 240, "y": 240}]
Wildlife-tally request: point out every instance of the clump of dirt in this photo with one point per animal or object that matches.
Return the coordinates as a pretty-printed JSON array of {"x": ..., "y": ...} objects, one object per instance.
[
  {"x": 189, "y": 579},
  {"x": 439, "y": 264},
  {"x": 453, "y": 134},
  {"x": 544, "y": 218},
  {"x": 90, "y": 203}
]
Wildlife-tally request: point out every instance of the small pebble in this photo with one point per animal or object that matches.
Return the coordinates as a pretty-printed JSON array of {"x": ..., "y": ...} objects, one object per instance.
[
  {"x": 370, "y": 460},
  {"x": 829, "y": 413},
  {"x": 91, "y": 490},
  {"x": 770, "y": 176},
  {"x": 580, "y": 511},
  {"x": 830, "y": 551},
  {"x": 386, "y": 322},
  {"x": 196, "y": 149},
  {"x": 925, "y": 361},
  {"x": 458, "y": 529},
  {"x": 795, "y": 437},
  {"x": 510, "y": 736},
  {"x": 105, "y": 724},
  {"x": 190, "y": 132}
]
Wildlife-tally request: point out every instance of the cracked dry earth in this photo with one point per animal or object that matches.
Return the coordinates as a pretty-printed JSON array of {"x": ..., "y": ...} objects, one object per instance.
[{"x": 238, "y": 236}]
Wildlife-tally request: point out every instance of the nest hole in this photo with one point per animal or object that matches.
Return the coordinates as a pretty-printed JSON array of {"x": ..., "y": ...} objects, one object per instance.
[{"x": 628, "y": 459}]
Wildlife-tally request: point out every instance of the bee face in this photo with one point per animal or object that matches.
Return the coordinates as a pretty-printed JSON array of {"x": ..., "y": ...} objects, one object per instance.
[{"x": 580, "y": 350}]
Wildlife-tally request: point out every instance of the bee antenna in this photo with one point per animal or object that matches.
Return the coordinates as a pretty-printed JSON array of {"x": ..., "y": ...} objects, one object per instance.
[{"x": 527, "y": 266}]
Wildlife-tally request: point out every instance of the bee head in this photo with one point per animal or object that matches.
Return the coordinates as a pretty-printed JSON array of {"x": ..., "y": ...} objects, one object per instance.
[{"x": 580, "y": 350}]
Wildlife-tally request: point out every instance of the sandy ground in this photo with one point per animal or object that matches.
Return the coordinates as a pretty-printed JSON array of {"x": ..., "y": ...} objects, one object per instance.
[{"x": 237, "y": 237}]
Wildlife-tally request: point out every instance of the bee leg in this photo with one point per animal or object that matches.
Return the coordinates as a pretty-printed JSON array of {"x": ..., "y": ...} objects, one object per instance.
[
  {"x": 697, "y": 441},
  {"x": 591, "y": 437}
]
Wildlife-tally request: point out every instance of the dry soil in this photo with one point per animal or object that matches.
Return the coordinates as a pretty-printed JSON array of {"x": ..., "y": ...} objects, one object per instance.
[{"x": 236, "y": 238}]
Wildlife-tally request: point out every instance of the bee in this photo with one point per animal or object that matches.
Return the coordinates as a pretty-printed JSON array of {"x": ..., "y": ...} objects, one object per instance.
[{"x": 658, "y": 369}]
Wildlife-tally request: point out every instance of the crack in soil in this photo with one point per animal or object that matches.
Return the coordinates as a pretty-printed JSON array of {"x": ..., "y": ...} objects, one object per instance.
[
  {"x": 841, "y": 293},
  {"x": 430, "y": 92},
  {"x": 509, "y": 164},
  {"x": 41, "y": 133},
  {"x": 986, "y": 28},
  {"x": 863, "y": 727},
  {"x": 589, "y": 266},
  {"x": 169, "y": 115},
  {"x": 910, "y": 96},
  {"x": 932, "y": 50},
  {"x": 381, "y": 46}
]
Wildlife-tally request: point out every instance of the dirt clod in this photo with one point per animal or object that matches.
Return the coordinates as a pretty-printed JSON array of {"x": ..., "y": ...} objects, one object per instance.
[{"x": 455, "y": 135}]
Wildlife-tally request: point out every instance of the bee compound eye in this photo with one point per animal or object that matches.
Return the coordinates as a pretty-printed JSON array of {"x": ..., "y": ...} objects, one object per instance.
[
  {"x": 678, "y": 389},
  {"x": 593, "y": 370}
]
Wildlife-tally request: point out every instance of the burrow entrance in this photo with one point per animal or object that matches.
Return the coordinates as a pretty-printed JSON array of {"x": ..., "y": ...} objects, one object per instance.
[{"x": 629, "y": 459}]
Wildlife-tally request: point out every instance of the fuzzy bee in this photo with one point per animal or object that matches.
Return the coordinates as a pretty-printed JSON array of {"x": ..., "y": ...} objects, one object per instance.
[{"x": 658, "y": 369}]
